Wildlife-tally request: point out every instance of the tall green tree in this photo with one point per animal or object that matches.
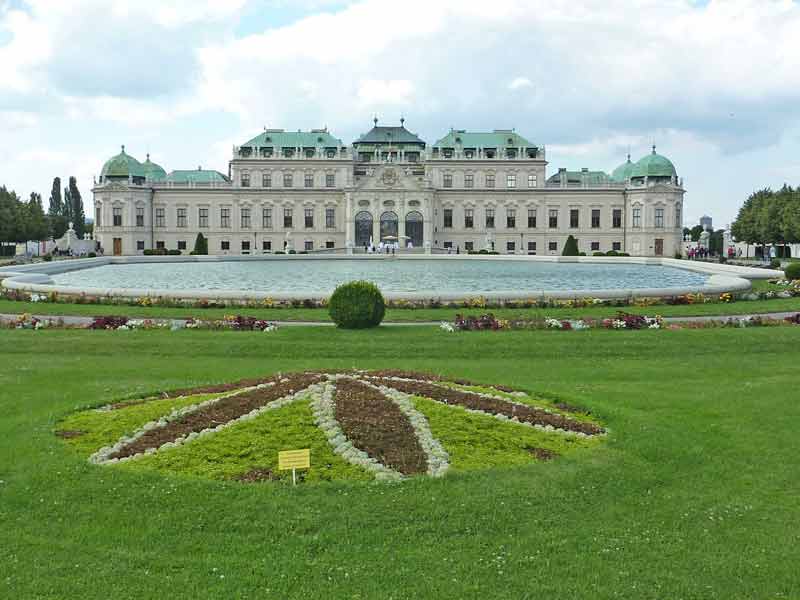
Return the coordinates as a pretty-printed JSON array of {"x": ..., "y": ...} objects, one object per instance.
[
  {"x": 76, "y": 208},
  {"x": 37, "y": 227},
  {"x": 55, "y": 211}
]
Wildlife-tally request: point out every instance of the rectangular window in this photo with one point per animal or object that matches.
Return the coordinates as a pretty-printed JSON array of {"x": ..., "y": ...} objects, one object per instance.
[
  {"x": 531, "y": 247},
  {"x": 161, "y": 219},
  {"x": 140, "y": 245},
  {"x": 616, "y": 218},
  {"x": 202, "y": 217},
  {"x": 308, "y": 218},
  {"x": 469, "y": 246},
  {"x": 266, "y": 180},
  {"x": 287, "y": 218},
  {"x": 330, "y": 180},
  {"x": 330, "y": 218},
  {"x": 245, "y": 179},
  {"x": 225, "y": 217},
  {"x": 490, "y": 180},
  {"x": 511, "y": 247},
  {"x": 489, "y": 218},
  {"x": 288, "y": 180},
  {"x": 448, "y": 217},
  {"x": 511, "y": 180},
  {"x": 266, "y": 246},
  {"x": 225, "y": 245},
  {"x": 98, "y": 213},
  {"x": 595, "y": 218},
  {"x": 678, "y": 219},
  {"x": 181, "y": 217},
  {"x": 182, "y": 245},
  {"x": 552, "y": 219},
  {"x": 552, "y": 246},
  {"x": 448, "y": 244},
  {"x": 595, "y": 246},
  {"x": 616, "y": 246},
  {"x": 511, "y": 218},
  {"x": 469, "y": 220},
  {"x": 117, "y": 213},
  {"x": 308, "y": 180},
  {"x": 573, "y": 217},
  {"x": 330, "y": 245},
  {"x": 160, "y": 245},
  {"x": 637, "y": 217},
  {"x": 245, "y": 247},
  {"x": 659, "y": 218},
  {"x": 245, "y": 214},
  {"x": 531, "y": 218},
  {"x": 532, "y": 180},
  {"x": 469, "y": 180},
  {"x": 266, "y": 218},
  {"x": 447, "y": 180},
  {"x": 140, "y": 216},
  {"x": 308, "y": 245}
]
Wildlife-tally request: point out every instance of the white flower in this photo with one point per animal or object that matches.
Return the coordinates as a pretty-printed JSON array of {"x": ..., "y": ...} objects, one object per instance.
[
  {"x": 448, "y": 327},
  {"x": 553, "y": 323},
  {"x": 123, "y": 328},
  {"x": 579, "y": 325},
  {"x": 618, "y": 324}
]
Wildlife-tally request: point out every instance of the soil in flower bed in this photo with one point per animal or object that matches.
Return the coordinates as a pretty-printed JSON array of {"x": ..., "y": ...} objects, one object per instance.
[
  {"x": 69, "y": 434},
  {"x": 543, "y": 453},
  {"x": 524, "y": 414},
  {"x": 220, "y": 412},
  {"x": 375, "y": 425},
  {"x": 256, "y": 475},
  {"x": 436, "y": 378}
]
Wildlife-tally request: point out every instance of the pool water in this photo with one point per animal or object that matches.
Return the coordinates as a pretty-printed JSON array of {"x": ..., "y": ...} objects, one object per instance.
[{"x": 429, "y": 276}]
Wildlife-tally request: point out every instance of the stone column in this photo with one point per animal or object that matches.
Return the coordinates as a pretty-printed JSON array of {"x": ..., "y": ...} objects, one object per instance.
[
  {"x": 376, "y": 222},
  {"x": 427, "y": 225},
  {"x": 349, "y": 224},
  {"x": 401, "y": 221}
]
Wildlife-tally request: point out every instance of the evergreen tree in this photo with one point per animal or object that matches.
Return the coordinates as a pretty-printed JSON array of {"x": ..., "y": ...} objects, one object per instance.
[
  {"x": 76, "y": 208},
  {"x": 66, "y": 210},
  {"x": 56, "y": 207},
  {"x": 9, "y": 221},
  {"x": 570, "y": 247},
  {"x": 36, "y": 223},
  {"x": 200, "y": 245}
]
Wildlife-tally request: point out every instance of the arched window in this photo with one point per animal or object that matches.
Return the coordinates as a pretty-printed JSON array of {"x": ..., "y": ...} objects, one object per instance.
[
  {"x": 389, "y": 226},
  {"x": 363, "y": 228},
  {"x": 414, "y": 228}
]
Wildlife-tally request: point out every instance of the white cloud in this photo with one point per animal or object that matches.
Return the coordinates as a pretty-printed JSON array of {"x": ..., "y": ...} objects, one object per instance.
[
  {"x": 519, "y": 83},
  {"x": 374, "y": 93}
]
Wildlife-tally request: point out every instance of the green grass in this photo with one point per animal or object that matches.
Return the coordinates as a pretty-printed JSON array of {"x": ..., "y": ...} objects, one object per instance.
[
  {"x": 694, "y": 495},
  {"x": 403, "y": 315}
]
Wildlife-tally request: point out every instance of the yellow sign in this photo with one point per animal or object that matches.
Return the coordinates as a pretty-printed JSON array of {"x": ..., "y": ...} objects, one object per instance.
[{"x": 294, "y": 459}]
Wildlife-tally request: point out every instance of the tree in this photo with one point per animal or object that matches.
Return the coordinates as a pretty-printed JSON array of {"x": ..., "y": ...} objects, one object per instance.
[
  {"x": 55, "y": 212},
  {"x": 696, "y": 232},
  {"x": 200, "y": 245},
  {"x": 77, "y": 215},
  {"x": 570, "y": 247},
  {"x": 37, "y": 227}
]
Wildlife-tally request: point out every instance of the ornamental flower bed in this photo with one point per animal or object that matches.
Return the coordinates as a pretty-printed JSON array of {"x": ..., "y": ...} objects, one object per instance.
[{"x": 385, "y": 425}]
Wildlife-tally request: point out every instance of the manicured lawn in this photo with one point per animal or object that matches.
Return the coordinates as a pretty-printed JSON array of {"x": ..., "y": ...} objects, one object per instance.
[
  {"x": 693, "y": 496},
  {"x": 402, "y": 315}
]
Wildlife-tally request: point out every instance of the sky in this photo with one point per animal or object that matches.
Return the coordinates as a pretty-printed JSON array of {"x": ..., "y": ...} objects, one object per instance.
[{"x": 715, "y": 85}]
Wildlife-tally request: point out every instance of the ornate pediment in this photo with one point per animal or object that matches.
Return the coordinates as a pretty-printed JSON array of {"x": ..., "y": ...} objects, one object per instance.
[{"x": 390, "y": 178}]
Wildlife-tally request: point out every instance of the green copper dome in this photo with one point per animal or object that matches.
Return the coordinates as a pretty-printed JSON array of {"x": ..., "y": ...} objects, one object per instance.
[
  {"x": 153, "y": 171},
  {"x": 624, "y": 171},
  {"x": 654, "y": 165},
  {"x": 123, "y": 165}
]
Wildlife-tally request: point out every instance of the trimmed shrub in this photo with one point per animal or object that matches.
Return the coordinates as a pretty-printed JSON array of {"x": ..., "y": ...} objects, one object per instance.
[
  {"x": 792, "y": 271},
  {"x": 47, "y": 257},
  {"x": 200, "y": 245},
  {"x": 775, "y": 263},
  {"x": 174, "y": 252},
  {"x": 678, "y": 256},
  {"x": 292, "y": 251},
  {"x": 570, "y": 247},
  {"x": 357, "y": 305},
  {"x": 92, "y": 255},
  {"x": 612, "y": 253},
  {"x": 598, "y": 253}
]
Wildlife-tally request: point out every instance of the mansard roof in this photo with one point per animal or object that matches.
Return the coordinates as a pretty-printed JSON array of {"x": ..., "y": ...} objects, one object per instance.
[
  {"x": 389, "y": 135},
  {"x": 278, "y": 138},
  {"x": 577, "y": 177},
  {"x": 499, "y": 138},
  {"x": 196, "y": 176}
]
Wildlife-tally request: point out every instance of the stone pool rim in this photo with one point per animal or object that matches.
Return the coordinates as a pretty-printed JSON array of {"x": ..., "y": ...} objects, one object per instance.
[{"x": 36, "y": 278}]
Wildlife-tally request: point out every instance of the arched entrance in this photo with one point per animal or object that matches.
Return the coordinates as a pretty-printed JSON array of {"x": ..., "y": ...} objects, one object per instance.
[
  {"x": 389, "y": 226},
  {"x": 414, "y": 228},
  {"x": 363, "y": 228}
]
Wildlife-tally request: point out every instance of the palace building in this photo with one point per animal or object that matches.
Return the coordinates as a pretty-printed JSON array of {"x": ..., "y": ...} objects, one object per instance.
[{"x": 308, "y": 191}]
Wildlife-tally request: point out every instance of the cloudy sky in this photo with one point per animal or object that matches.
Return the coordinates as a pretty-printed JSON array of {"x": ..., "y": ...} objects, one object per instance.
[{"x": 716, "y": 85}]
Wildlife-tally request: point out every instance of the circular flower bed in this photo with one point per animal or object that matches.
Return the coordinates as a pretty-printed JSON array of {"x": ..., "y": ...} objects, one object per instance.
[{"x": 358, "y": 425}]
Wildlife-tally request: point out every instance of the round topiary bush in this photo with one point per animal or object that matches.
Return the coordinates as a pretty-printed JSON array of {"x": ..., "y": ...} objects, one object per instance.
[
  {"x": 357, "y": 305},
  {"x": 792, "y": 271}
]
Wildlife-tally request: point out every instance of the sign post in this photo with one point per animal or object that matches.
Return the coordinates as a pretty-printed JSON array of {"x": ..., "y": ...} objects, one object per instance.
[{"x": 294, "y": 459}]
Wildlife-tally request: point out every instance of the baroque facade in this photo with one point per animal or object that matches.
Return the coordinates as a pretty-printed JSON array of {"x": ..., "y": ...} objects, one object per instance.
[{"x": 307, "y": 191}]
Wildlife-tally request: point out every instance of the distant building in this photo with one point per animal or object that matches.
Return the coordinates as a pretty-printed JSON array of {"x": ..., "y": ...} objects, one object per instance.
[
  {"x": 706, "y": 223},
  {"x": 306, "y": 190}
]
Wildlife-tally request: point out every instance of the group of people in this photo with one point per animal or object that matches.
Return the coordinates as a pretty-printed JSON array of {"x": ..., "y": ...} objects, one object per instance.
[
  {"x": 385, "y": 247},
  {"x": 699, "y": 253}
]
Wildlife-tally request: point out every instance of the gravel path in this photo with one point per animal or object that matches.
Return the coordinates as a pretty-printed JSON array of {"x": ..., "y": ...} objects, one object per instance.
[{"x": 76, "y": 320}]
